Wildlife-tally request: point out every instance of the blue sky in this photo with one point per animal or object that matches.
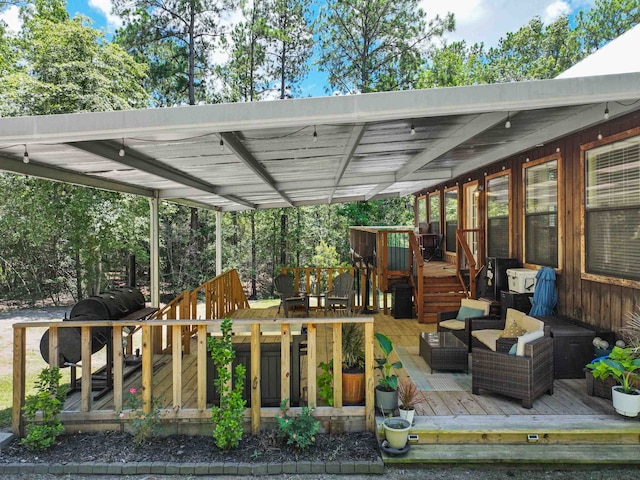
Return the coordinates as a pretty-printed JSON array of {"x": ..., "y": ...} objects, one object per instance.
[{"x": 476, "y": 20}]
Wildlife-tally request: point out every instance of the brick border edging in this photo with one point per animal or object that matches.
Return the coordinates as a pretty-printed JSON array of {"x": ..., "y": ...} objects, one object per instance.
[{"x": 196, "y": 468}]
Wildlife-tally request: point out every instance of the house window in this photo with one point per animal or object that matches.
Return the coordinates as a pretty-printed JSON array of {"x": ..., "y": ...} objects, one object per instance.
[
  {"x": 450, "y": 218},
  {"x": 498, "y": 235},
  {"x": 434, "y": 212},
  {"x": 612, "y": 209},
  {"x": 541, "y": 213}
]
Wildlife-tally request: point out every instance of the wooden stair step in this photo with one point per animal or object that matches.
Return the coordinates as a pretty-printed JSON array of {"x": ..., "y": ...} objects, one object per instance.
[
  {"x": 556, "y": 455},
  {"x": 526, "y": 439}
]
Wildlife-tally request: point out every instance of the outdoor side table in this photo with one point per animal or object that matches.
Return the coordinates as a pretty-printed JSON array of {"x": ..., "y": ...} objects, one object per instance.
[{"x": 444, "y": 351}]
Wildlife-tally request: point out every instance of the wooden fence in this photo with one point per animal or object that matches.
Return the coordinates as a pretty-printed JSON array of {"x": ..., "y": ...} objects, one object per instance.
[{"x": 169, "y": 336}]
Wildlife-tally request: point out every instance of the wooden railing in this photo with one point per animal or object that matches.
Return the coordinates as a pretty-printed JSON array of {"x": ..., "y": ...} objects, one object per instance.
[
  {"x": 465, "y": 253},
  {"x": 316, "y": 279},
  {"x": 177, "y": 410},
  {"x": 418, "y": 275}
]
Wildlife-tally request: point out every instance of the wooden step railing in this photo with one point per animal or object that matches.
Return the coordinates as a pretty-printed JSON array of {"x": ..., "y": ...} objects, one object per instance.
[{"x": 465, "y": 255}]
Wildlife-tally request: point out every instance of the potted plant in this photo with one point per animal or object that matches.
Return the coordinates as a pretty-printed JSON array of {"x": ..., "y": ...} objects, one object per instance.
[
  {"x": 352, "y": 364},
  {"x": 620, "y": 364},
  {"x": 407, "y": 396},
  {"x": 387, "y": 388},
  {"x": 396, "y": 432}
]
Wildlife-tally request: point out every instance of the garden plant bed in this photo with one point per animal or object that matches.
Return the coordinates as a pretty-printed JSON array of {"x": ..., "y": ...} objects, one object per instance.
[{"x": 116, "y": 447}]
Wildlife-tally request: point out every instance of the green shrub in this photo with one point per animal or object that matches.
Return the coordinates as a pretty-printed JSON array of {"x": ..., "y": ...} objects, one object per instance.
[
  {"x": 49, "y": 400},
  {"x": 299, "y": 430},
  {"x": 325, "y": 383},
  {"x": 227, "y": 417},
  {"x": 143, "y": 424}
]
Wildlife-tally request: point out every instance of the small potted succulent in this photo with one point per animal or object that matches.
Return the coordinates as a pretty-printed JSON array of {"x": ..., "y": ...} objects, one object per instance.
[
  {"x": 387, "y": 388},
  {"x": 621, "y": 364},
  {"x": 407, "y": 398}
]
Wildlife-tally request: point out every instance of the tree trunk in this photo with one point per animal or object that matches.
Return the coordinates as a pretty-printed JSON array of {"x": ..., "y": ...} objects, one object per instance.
[
  {"x": 78, "y": 274},
  {"x": 283, "y": 238}
]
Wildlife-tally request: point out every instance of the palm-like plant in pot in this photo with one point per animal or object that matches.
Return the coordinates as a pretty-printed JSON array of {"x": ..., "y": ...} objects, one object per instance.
[
  {"x": 352, "y": 364},
  {"x": 621, "y": 364},
  {"x": 387, "y": 388}
]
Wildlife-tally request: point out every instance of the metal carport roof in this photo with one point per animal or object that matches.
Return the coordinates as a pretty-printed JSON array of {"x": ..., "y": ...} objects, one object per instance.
[{"x": 265, "y": 155}]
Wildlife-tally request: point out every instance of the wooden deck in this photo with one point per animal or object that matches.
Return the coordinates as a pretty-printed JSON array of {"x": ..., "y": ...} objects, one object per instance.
[{"x": 569, "y": 396}]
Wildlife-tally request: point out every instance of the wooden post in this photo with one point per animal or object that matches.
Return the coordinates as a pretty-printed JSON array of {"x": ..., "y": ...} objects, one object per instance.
[
  {"x": 118, "y": 366},
  {"x": 255, "y": 378},
  {"x": 369, "y": 402},
  {"x": 202, "y": 367},
  {"x": 176, "y": 356},
  {"x": 147, "y": 368},
  {"x": 312, "y": 367},
  {"x": 85, "y": 389},
  {"x": 19, "y": 364},
  {"x": 285, "y": 363},
  {"x": 337, "y": 365},
  {"x": 53, "y": 347}
]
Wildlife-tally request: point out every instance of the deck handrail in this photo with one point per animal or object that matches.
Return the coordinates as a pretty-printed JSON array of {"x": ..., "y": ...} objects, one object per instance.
[
  {"x": 462, "y": 247},
  {"x": 418, "y": 262},
  {"x": 310, "y": 274}
]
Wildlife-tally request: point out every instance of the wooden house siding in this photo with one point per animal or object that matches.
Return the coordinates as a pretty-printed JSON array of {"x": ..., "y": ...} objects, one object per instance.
[{"x": 599, "y": 301}]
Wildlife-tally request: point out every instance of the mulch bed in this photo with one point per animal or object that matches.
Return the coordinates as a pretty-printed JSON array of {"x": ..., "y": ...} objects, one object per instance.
[{"x": 117, "y": 447}]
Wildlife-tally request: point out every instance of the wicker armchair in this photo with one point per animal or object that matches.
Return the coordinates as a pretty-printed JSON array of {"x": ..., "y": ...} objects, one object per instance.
[
  {"x": 523, "y": 377},
  {"x": 448, "y": 321}
]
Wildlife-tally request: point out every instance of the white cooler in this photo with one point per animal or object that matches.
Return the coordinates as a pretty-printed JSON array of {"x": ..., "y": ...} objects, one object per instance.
[{"x": 521, "y": 280}]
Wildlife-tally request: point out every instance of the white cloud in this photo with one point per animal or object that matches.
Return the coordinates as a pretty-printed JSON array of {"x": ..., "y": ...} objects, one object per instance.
[
  {"x": 556, "y": 10},
  {"x": 104, "y": 7},
  {"x": 489, "y": 20},
  {"x": 11, "y": 16}
]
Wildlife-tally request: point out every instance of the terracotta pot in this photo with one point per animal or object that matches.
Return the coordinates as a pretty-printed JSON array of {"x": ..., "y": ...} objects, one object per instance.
[{"x": 352, "y": 388}]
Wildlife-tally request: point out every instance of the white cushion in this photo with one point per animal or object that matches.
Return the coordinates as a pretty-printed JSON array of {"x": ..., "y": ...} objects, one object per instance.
[
  {"x": 524, "y": 321},
  {"x": 452, "y": 324},
  {"x": 488, "y": 337},
  {"x": 526, "y": 338}
]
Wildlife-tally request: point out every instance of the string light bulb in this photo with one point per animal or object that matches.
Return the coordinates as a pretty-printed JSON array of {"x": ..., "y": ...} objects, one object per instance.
[
  {"x": 315, "y": 135},
  {"x": 599, "y": 135},
  {"x": 25, "y": 156},
  {"x": 413, "y": 129},
  {"x": 606, "y": 111},
  {"x": 221, "y": 145},
  {"x": 121, "y": 152},
  {"x": 507, "y": 124}
]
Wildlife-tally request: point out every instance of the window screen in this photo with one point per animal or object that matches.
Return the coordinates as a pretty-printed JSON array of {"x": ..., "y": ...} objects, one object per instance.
[
  {"x": 498, "y": 216},
  {"x": 541, "y": 214},
  {"x": 434, "y": 212},
  {"x": 612, "y": 209},
  {"x": 451, "y": 219}
]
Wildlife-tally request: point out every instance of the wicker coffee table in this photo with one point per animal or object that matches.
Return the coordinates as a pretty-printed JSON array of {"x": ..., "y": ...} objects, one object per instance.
[{"x": 444, "y": 351}]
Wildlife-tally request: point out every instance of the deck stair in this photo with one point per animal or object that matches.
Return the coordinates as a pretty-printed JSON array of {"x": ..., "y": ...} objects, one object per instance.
[
  {"x": 440, "y": 294},
  {"x": 575, "y": 439}
]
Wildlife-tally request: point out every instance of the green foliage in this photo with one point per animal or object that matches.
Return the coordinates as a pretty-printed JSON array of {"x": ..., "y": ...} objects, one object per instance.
[
  {"x": 227, "y": 417},
  {"x": 325, "y": 383},
  {"x": 388, "y": 381},
  {"x": 325, "y": 256},
  {"x": 143, "y": 424},
  {"x": 374, "y": 45},
  {"x": 299, "y": 430},
  {"x": 49, "y": 401},
  {"x": 352, "y": 347},
  {"x": 620, "y": 364}
]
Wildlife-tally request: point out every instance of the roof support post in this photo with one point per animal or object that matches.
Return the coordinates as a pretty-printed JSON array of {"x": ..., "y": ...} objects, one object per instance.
[
  {"x": 154, "y": 249},
  {"x": 218, "y": 242}
]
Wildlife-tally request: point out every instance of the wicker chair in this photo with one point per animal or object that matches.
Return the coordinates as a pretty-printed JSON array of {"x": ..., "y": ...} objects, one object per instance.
[
  {"x": 448, "y": 321},
  {"x": 523, "y": 377}
]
